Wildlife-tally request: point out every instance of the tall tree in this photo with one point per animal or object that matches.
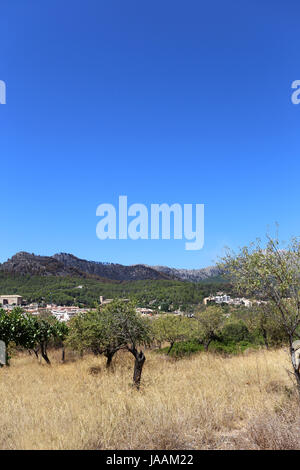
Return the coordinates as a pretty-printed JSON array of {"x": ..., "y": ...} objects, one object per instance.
[{"x": 271, "y": 274}]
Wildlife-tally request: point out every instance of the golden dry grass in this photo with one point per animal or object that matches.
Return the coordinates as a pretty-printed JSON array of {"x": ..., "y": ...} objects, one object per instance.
[{"x": 203, "y": 402}]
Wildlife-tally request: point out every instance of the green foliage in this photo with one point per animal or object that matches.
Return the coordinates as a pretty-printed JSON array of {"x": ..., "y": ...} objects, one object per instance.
[
  {"x": 30, "y": 331},
  {"x": 108, "y": 329},
  {"x": 219, "y": 330},
  {"x": 261, "y": 324},
  {"x": 171, "y": 328},
  {"x": 187, "y": 348},
  {"x": 231, "y": 348},
  {"x": 235, "y": 332},
  {"x": 182, "y": 349},
  {"x": 209, "y": 323},
  {"x": 64, "y": 291},
  {"x": 14, "y": 327},
  {"x": 271, "y": 274}
]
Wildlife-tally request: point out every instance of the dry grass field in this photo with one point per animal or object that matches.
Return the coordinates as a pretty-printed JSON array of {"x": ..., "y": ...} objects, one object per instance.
[{"x": 203, "y": 402}]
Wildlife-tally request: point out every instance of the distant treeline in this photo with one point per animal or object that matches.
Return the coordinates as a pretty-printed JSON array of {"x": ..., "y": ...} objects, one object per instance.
[{"x": 66, "y": 291}]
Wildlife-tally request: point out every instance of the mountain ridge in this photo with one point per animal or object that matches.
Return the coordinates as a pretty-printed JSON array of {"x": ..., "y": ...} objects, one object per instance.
[{"x": 66, "y": 264}]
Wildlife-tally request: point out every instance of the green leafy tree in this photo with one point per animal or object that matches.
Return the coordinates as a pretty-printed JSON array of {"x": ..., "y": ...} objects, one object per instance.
[
  {"x": 109, "y": 329},
  {"x": 271, "y": 274},
  {"x": 95, "y": 331},
  {"x": 171, "y": 328},
  {"x": 234, "y": 331},
  {"x": 209, "y": 324},
  {"x": 61, "y": 333},
  {"x": 43, "y": 330},
  {"x": 260, "y": 322},
  {"x": 14, "y": 328}
]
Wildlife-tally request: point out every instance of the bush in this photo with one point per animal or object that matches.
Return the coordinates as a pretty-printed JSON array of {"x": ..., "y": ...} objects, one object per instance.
[
  {"x": 183, "y": 348},
  {"x": 187, "y": 348},
  {"x": 235, "y": 332},
  {"x": 231, "y": 347}
]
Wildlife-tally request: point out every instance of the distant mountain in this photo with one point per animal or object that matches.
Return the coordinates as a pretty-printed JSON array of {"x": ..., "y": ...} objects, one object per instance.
[
  {"x": 117, "y": 272},
  {"x": 191, "y": 275},
  {"x": 65, "y": 264},
  {"x": 29, "y": 263}
]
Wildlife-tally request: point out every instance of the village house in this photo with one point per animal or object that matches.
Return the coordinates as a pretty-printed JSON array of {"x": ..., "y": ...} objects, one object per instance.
[
  {"x": 144, "y": 311},
  {"x": 11, "y": 300},
  {"x": 221, "y": 298}
]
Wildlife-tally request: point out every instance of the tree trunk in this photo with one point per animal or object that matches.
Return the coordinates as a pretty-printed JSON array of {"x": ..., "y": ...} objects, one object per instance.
[
  {"x": 138, "y": 368},
  {"x": 36, "y": 352},
  {"x": 264, "y": 333},
  {"x": 297, "y": 376},
  {"x": 295, "y": 368},
  {"x": 63, "y": 354},
  {"x": 109, "y": 355},
  {"x": 171, "y": 347},
  {"x": 44, "y": 354}
]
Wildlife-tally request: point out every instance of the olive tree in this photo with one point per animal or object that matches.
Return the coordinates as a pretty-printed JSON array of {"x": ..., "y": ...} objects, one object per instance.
[
  {"x": 14, "y": 329},
  {"x": 209, "y": 323},
  {"x": 61, "y": 333},
  {"x": 95, "y": 331},
  {"x": 260, "y": 322},
  {"x": 132, "y": 331},
  {"x": 42, "y": 331},
  {"x": 30, "y": 332},
  {"x": 271, "y": 274},
  {"x": 171, "y": 328},
  {"x": 111, "y": 328}
]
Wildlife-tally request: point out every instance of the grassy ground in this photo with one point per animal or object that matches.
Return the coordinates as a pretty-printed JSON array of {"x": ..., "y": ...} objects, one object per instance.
[{"x": 203, "y": 402}]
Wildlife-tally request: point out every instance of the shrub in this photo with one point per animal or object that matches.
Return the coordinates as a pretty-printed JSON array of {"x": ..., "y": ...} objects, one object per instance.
[
  {"x": 234, "y": 332},
  {"x": 183, "y": 348}
]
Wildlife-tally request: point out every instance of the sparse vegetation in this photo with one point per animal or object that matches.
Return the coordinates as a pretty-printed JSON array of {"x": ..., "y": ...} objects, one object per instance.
[
  {"x": 201, "y": 402},
  {"x": 216, "y": 378},
  {"x": 271, "y": 274}
]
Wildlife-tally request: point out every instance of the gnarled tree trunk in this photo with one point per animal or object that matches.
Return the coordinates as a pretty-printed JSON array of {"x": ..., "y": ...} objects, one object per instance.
[
  {"x": 109, "y": 356},
  {"x": 295, "y": 363},
  {"x": 44, "y": 353},
  {"x": 171, "y": 347},
  {"x": 36, "y": 352},
  {"x": 138, "y": 366},
  {"x": 63, "y": 353}
]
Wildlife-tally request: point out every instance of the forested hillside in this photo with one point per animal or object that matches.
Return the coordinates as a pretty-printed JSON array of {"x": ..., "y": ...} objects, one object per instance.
[{"x": 71, "y": 290}]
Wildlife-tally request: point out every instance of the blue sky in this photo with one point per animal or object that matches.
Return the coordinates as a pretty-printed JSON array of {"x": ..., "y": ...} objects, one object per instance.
[{"x": 162, "y": 101}]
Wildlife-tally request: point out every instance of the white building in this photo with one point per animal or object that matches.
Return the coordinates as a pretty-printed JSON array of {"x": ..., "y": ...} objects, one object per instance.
[{"x": 11, "y": 300}]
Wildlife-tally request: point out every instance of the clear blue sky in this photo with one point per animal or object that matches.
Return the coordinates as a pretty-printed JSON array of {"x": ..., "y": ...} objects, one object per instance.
[{"x": 163, "y": 101}]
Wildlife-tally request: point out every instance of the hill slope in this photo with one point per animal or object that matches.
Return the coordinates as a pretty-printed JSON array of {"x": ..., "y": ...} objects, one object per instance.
[
  {"x": 29, "y": 263},
  {"x": 65, "y": 264},
  {"x": 112, "y": 271},
  {"x": 191, "y": 275}
]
